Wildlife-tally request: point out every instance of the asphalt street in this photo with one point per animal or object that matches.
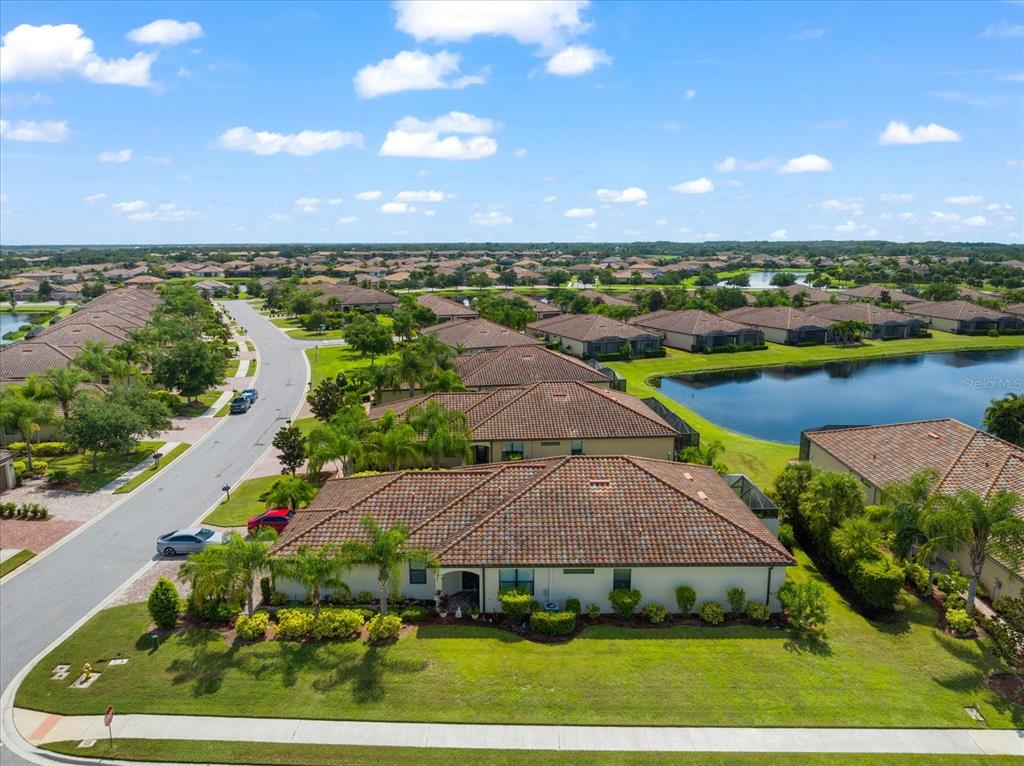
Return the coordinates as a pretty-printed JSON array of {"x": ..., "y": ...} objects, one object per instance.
[{"x": 39, "y": 604}]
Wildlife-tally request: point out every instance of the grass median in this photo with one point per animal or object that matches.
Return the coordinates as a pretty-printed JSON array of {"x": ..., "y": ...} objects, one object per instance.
[
  {"x": 152, "y": 470},
  {"x": 246, "y": 500},
  {"x": 15, "y": 561}
]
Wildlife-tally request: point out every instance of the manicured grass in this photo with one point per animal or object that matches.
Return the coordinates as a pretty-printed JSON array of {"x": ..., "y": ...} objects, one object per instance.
[
  {"x": 762, "y": 460},
  {"x": 108, "y": 467},
  {"x": 152, "y": 470},
  {"x": 900, "y": 674},
  {"x": 197, "y": 406},
  {"x": 296, "y": 754},
  {"x": 223, "y": 410},
  {"x": 245, "y": 502},
  {"x": 14, "y": 562},
  {"x": 250, "y": 346},
  {"x": 328, "y": 361},
  {"x": 301, "y": 334}
]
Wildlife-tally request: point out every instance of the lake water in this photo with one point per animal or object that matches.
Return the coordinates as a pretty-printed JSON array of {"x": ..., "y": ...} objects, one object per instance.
[
  {"x": 776, "y": 403},
  {"x": 761, "y": 280},
  {"x": 10, "y": 322}
]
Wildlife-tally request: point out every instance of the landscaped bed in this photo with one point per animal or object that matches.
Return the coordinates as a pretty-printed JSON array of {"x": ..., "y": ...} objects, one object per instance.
[{"x": 903, "y": 673}]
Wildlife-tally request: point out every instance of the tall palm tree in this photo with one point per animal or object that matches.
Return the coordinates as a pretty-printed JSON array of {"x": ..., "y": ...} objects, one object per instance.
[
  {"x": 412, "y": 368},
  {"x": 445, "y": 432},
  {"x": 1005, "y": 418},
  {"x": 61, "y": 385},
  {"x": 907, "y": 502},
  {"x": 394, "y": 447},
  {"x": 249, "y": 559},
  {"x": 315, "y": 569},
  {"x": 207, "y": 574},
  {"x": 829, "y": 499},
  {"x": 386, "y": 550},
  {"x": 982, "y": 525},
  {"x": 92, "y": 357},
  {"x": 708, "y": 454},
  {"x": 443, "y": 381},
  {"x": 24, "y": 414},
  {"x": 290, "y": 492}
]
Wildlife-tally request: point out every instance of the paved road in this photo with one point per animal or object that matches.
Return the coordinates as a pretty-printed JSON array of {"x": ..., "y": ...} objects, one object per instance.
[{"x": 41, "y": 603}]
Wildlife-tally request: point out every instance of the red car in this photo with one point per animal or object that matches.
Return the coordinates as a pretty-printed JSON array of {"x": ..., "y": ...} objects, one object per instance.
[{"x": 276, "y": 519}]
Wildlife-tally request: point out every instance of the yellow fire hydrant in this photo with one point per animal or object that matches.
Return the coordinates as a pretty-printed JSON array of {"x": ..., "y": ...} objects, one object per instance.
[{"x": 87, "y": 670}]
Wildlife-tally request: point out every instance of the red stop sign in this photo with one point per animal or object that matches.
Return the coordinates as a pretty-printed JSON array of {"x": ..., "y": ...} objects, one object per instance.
[{"x": 108, "y": 716}]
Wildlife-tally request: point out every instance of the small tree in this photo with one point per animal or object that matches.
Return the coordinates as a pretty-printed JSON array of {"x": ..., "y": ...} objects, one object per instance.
[
  {"x": 315, "y": 569},
  {"x": 326, "y": 399},
  {"x": 806, "y": 607},
  {"x": 292, "y": 492},
  {"x": 368, "y": 336},
  {"x": 737, "y": 598},
  {"x": 829, "y": 499},
  {"x": 60, "y": 384},
  {"x": 26, "y": 415},
  {"x": 190, "y": 367},
  {"x": 164, "y": 604},
  {"x": 290, "y": 442},
  {"x": 1005, "y": 418},
  {"x": 790, "y": 484},
  {"x": 686, "y": 597}
]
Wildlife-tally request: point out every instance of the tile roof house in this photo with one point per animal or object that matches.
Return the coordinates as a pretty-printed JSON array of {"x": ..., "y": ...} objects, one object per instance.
[
  {"x": 784, "y": 324},
  {"x": 962, "y": 456},
  {"x": 885, "y": 324},
  {"x": 1017, "y": 309},
  {"x": 519, "y": 365},
  {"x": 880, "y": 292},
  {"x": 561, "y": 528},
  {"x": 477, "y": 335},
  {"x": 540, "y": 309},
  {"x": 351, "y": 297},
  {"x": 444, "y": 309},
  {"x": 608, "y": 300},
  {"x": 812, "y": 294},
  {"x": 595, "y": 335},
  {"x": 548, "y": 419},
  {"x": 964, "y": 318},
  {"x": 696, "y": 330}
]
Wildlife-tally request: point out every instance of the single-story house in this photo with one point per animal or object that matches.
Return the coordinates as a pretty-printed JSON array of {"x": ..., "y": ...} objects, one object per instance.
[
  {"x": 565, "y": 527},
  {"x": 963, "y": 457},
  {"x": 477, "y": 335},
  {"x": 964, "y": 318},
  {"x": 211, "y": 287},
  {"x": 351, "y": 297},
  {"x": 540, "y": 309},
  {"x": 549, "y": 419},
  {"x": 696, "y": 330},
  {"x": 880, "y": 293},
  {"x": 1017, "y": 309},
  {"x": 444, "y": 309},
  {"x": 595, "y": 335},
  {"x": 885, "y": 324},
  {"x": 608, "y": 300},
  {"x": 811, "y": 294},
  {"x": 145, "y": 281},
  {"x": 784, "y": 324}
]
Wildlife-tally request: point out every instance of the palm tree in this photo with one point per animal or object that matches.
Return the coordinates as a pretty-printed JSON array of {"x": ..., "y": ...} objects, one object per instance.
[
  {"x": 446, "y": 432},
  {"x": 315, "y": 569},
  {"x": 290, "y": 492},
  {"x": 61, "y": 385},
  {"x": 443, "y": 381},
  {"x": 412, "y": 368},
  {"x": 249, "y": 559},
  {"x": 397, "y": 445},
  {"x": 24, "y": 414},
  {"x": 830, "y": 498},
  {"x": 1005, "y": 418},
  {"x": 966, "y": 519},
  {"x": 207, "y": 574},
  {"x": 709, "y": 454},
  {"x": 92, "y": 357},
  {"x": 907, "y": 502},
  {"x": 386, "y": 551},
  {"x": 856, "y": 538}
]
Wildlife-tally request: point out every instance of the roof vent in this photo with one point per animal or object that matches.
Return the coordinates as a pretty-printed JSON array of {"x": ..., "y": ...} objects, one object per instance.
[
  {"x": 687, "y": 475},
  {"x": 933, "y": 435},
  {"x": 701, "y": 494}
]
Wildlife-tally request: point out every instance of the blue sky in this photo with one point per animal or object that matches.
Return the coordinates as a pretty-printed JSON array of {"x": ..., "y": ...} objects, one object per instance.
[{"x": 412, "y": 122}]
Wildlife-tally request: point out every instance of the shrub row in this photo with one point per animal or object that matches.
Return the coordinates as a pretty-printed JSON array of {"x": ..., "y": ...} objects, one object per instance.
[
  {"x": 553, "y": 623},
  {"x": 296, "y": 624},
  {"x": 43, "y": 449},
  {"x": 23, "y": 511}
]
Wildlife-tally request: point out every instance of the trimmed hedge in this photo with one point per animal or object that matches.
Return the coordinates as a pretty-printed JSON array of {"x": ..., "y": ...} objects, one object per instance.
[
  {"x": 414, "y": 613},
  {"x": 712, "y": 613},
  {"x": 553, "y": 623},
  {"x": 294, "y": 624},
  {"x": 336, "y": 623},
  {"x": 624, "y": 601},
  {"x": 164, "y": 604},
  {"x": 573, "y": 605},
  {"x": 654, "y": 613},
  {"x": 878, "y": 581},
  {"x": 384, "y": 627},
  {"x": 757, "y": 611},
  {"x": 252, "y": 628},
  {"x": 686, "y": 597},
  {"x": 515, "y": 603}
]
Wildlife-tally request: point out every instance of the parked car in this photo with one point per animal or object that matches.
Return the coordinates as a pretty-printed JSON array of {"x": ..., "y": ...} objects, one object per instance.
[
  {"x": 191, "y": 540},
  {"x": 276, "y": 519},
  {"x": 252, "y": 394},
  {"x": 240, "y": 404}
]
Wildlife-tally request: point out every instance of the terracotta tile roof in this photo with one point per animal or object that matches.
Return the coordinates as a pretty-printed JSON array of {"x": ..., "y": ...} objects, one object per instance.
[
  {"x": 958, "y": 310},
  {"x": 444, "y": 307},
  {"x": 610, "y": 300},
  {"x": 587, "y": 327},
  {"x": 350, "y": 295},
  {"x": 478, "y": 334},
  {"x": 540, "y": 309},
  {"x": 874, "y": 293},
  {"x": 569, "y": 511},
  {"x": 688, "y": 321},
  {"x": 861, "y": 312},
  {"x": 778, "y": 317},
  {"x": 1017, "y": 309},
  {"x": 519, "y": 365},
  {"x": 32, "y": 357},
  {"x": 546, "y": 411},
  {"x": 813, "y": 294}
]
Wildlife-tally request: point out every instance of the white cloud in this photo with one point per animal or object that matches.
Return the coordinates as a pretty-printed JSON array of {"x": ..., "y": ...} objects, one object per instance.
[
  {"x": 429, "y": 213},
  {"x": 302, "y": 144},
  {"x": 580, "y": 212},
  {"x": 808, "y": 34},
  {"x": 696, "y": 186},
  {"x": 49, "y": 52},
  {"x": 845, "y": 205},
  {"x": 348, "y": 219},
  {"x": 307, "y": 205},
  {"x": 727, "y": 165},
  {"x": 807, "y": 163},
  {"x": 394, "y": 208},
  {"x": 432, "y": 195},
  {"x": 551, "y": 198},
  {"x": 846, "y": 228},
  {"x": 131, "y": 207},
  {"x": 47, "y": 132},
  {"x": 1003, "y": 29},
  {"x": 491, "y": 218},
  {"x": 94, "y": 198},
  {"x": 897, "y": 197},
  {"x": 592, "y": 225},
  {"x": 413, "y": 70},
  {"x": 184, "y": 71},
  {"x": 996, "y": 206},
  {"x": 779, "y": 234},
  {"x": 731, "y": 164},
  {"x": 279, "y": 217},
  {"x": 168, "y": 212},
  {"x": 575, "y": 60},
  {"x": 689, "y": 94},
  {"x": 166, "y": 32},
  {"x": 368, "y": 196},
  {"x": 521, "y": 153},
  {"x": 908, "y": 216},
  {"x": 415, "y": 138},
  {"x": 939, "y": 215},
  {"x": 964, "y": 199},
  {"x": 976, "y": 220},
  {"x": 900, "y": 133},
  {"x": 633, "y": 194},
  {"x": 183, "y": 177},
  {"x": 1015, "y": 164},
  {"x": 119, "y": 156},
  {"x": 547, "y": 23},
  {"x": 335, "y": 201}
]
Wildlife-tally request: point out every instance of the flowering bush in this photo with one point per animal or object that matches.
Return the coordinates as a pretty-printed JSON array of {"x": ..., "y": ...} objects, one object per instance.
[{"x": 252, "y": 628}]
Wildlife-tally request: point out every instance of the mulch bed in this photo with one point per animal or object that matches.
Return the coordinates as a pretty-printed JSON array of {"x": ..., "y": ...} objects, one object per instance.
[{"x": 1009, "y": 686}]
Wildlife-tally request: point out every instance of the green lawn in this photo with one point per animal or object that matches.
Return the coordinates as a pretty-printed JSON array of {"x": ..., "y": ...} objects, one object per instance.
[
  {"x": 152, "y": 470},
  {"x": 301, "y": 334},
  {"x": 328, "y": 361},
  {"x": 197, "y": 406},
  {"x": 762, "y": 460},
  {"x": 108, "y": 468},
  {"x": 901, "y": 674},
  {"x": 14, "y": 562},
  {"x": 295, "y": 754},
  {"x": 245, "y": 502}
]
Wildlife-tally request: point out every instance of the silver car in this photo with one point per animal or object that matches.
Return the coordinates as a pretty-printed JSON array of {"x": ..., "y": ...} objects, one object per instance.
[{"x": 192, "y": 540}]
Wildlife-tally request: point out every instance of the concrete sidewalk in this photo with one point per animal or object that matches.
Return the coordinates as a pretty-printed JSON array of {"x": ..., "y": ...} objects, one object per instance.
[{"x": 39, "y": 728}]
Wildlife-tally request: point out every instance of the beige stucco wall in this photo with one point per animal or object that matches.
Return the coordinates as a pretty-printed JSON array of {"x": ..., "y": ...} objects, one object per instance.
[
  {"x": 938, "y": 323},
  {"x": 677, "y": 340},
  {"x": 363, "y": 578},
  {"x": 660, "y": 447}
]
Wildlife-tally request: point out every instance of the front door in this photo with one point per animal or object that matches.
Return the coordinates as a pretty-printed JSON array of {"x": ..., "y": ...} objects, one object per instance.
[{"x": 470, "y": 581}]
